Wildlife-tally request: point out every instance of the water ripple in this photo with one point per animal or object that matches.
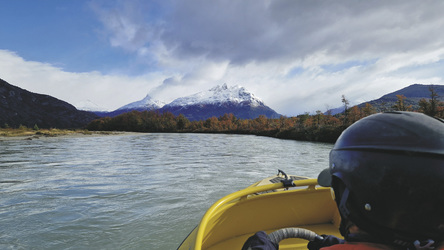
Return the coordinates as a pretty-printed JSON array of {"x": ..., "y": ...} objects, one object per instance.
[{"x": 143, "y": 191}]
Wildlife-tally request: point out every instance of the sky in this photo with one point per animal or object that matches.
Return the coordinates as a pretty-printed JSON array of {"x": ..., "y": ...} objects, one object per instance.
[{"x": 297, "y": 56}]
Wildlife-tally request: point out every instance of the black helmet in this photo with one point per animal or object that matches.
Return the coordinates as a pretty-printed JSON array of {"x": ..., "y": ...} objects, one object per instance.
[{"x": 387, "y": 171}]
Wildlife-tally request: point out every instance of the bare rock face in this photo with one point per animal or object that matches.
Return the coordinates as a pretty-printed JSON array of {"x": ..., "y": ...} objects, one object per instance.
[{"x": 21, "y": 107}]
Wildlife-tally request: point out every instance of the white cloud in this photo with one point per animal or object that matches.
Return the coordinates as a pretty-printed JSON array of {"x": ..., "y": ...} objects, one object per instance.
[
  {"x": 341, "y": 47},
  {"x": 108, "y": 91},
  {"x": 298, "y": 56},
  {"x": 306, "y": 91}
]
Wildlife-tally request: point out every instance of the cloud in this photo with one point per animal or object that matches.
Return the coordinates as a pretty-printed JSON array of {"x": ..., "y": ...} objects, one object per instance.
[
  {"x": 298, "y": 56},
  {"x": 204, "y": 76},
  {"x": 125, "y": 25},
  {"x": 107, "y": 91},
  {"x": 279, "y": 31},
  {"x": 245, "y": 31}
]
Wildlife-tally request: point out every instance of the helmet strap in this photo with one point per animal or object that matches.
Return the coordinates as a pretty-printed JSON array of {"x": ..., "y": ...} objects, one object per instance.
[{"x": 345, "y": 212}]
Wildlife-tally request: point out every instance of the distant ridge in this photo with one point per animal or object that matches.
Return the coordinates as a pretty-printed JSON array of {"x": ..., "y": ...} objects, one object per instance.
[
  {"x": 21, "y": 107},
  {"x": 417, "y": 91},
  {"x": 216, "y": 101},
  {"x": 413, "y": 94},
  {"x": 146, "y": 104}
]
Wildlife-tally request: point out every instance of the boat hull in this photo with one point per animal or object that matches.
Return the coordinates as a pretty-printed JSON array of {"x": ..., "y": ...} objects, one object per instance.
[{"x": 228, "y": 225}]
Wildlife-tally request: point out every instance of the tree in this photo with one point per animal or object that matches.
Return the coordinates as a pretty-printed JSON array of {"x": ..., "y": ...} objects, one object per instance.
[
  {"x": 400, "y": 104},
  {"x": 182, "y": 122},
  {"x": 168, "y": 122},
  {"x": 433, "y": 107},
  {"x": 346, "y": 103},
  {"x": 261, "y": 122},
  {"x": 212, "y": 123},
  {"x": 228, "y": 122},
  {"x": 319, "y": 118},
  {"x": 383, "y": 107},
  {"x": 302, "y": 120},
  {"x": 354, "y": 114},
  {"x": 368, "y": 110}
]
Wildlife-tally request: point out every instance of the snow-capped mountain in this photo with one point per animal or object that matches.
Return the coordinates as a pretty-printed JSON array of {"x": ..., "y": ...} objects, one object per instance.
[
  {"x": 218, "y": 101},
  {"x": 146, "y": 103},
  {"x": 218, "y": 96},
  {"x": 88, "y": 105}
]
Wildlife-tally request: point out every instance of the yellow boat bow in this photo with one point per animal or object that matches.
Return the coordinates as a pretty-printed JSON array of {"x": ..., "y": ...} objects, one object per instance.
[{"x": 267, "y": 205}]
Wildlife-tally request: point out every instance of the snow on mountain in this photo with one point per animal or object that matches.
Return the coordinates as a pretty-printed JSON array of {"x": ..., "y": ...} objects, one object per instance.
[
  {"x": 88, "y": 105},
  {"x": 146, "y": 103},
  {"x": 219, "y": 95},
  {"x": 216, "y": 102}
]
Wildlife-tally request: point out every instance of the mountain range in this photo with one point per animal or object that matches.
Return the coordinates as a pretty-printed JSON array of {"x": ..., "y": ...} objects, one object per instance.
[
  {"x": 216, "y": 102},
  {"x": 21, "y": 107}
]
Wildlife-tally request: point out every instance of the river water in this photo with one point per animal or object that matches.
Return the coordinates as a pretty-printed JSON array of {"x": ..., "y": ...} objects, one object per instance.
[{"x": 143, "y": 191}]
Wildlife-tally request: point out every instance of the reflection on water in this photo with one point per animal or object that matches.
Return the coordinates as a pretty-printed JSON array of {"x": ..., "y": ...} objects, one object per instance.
[{"x": 144, "y": 191}]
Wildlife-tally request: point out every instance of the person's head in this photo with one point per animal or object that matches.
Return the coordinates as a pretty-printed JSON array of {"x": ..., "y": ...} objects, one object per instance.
[{"x": 387, "y": 172}]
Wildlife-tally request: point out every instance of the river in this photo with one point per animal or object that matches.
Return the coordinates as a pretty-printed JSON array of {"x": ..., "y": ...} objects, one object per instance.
[{"x": 143, "y": 191}]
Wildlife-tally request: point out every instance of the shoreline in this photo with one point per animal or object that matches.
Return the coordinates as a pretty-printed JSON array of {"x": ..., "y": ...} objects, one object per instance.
[{"x": 39, "y": 135}]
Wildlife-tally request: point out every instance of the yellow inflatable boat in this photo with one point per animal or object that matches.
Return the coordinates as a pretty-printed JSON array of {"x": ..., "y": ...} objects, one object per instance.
[{"x": 271, "y": 204}]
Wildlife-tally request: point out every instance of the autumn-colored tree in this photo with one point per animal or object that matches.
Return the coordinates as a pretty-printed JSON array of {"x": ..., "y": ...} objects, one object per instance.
[
  {"x": 261, "y": 123},
  {"x": 245, "y": 125},
  {"x": 433, "y": 107},
  {"x": 354, "y": 115},
  {"x": 302, "y": 120},
  {"x": 309, "y": 122},
  {"x": 400, "y": 104},
  {"x": 368, "y": 110},
  {"x": 212, "y": 124},
  {"x": 332, "y": 121},
  {"x": 196, "y": 126},
  {"x": 228, "y": 122},
  {"x": 315, "y": 127},
  {"x": 290, "y": 122}
]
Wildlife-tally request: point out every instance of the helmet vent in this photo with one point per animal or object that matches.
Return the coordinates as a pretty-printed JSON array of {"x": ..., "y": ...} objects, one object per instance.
[{"x": 368, "y": 207}]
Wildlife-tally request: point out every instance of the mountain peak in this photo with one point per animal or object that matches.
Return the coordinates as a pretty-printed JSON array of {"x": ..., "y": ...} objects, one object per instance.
[
  {"x": 88, "y": 105},
  {"x": 218, "y": 101},
  {"x": 219, "y": 88},
  {"x": 219, "y": 95},
  {"x": 146, "y": 103}
]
